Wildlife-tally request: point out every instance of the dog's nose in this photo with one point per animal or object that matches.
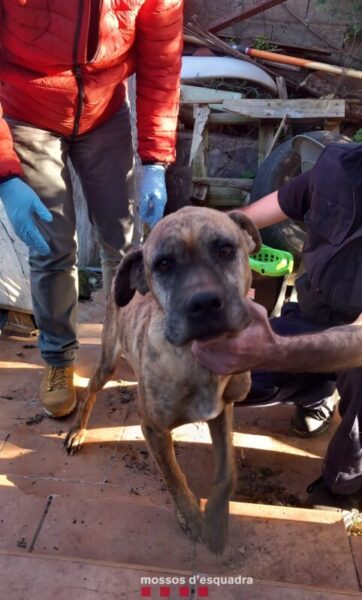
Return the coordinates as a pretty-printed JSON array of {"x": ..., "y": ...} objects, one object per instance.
[{"x": 203, "y": 304}]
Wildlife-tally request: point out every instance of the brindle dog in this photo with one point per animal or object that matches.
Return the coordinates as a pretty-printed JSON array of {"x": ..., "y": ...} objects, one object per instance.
[{"x": 187, "y": 283}]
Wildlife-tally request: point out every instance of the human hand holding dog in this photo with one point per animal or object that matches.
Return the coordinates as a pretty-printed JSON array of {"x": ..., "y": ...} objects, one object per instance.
[
  {"x": 243, "y": 351},
  {"x": 153, "y": 194},
  {"x": 258, "y": 347}
]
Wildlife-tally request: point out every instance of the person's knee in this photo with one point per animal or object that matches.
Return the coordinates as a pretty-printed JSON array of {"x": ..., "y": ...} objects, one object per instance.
[{"x": 62, "y": 257}]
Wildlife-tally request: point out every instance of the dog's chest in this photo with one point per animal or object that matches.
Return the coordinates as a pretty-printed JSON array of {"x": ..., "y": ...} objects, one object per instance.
[
  {"x": 179, "y": 390},
  {"x": 173, "y": 387},
  {"x": 204, "y": 404}
]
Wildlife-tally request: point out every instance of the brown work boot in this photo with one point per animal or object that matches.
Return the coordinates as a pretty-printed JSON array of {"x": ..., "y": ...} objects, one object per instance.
[{"x": 57, "y": 391}]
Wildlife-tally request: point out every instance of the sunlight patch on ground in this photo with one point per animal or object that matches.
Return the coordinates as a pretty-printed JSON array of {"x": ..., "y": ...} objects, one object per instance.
[
  {"x": 199, "y": 433},
  {"x": 96, "y": 435},
  {"x": 11, "y": 451},
  {"x": 268, "y": 442},
  {"x": 249, "y": 510},
  {"x": 5, "y": 481},
  {"x": 82, "y": 382},
  {"x": 19, "y": 365}
]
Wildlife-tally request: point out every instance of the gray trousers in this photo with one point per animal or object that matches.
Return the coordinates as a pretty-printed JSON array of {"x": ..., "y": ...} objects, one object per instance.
[{"x": 103, "y": 161}]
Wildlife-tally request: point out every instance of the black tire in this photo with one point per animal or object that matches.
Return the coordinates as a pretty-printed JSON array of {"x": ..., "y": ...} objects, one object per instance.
[{"x": 280, "y": 166}]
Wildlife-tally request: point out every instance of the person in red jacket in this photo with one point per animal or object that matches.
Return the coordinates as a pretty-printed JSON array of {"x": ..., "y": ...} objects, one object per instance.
[{"x": 63, "y": 67}]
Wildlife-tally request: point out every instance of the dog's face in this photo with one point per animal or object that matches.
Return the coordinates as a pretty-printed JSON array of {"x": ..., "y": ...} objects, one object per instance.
[{"x": 195, "y": 263}]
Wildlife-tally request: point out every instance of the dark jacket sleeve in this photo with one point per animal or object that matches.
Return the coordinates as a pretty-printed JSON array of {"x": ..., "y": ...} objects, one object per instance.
[{"x": 294, "y": 197}]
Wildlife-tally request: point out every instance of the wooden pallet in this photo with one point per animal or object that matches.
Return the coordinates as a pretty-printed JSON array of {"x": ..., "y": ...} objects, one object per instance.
[{"x": 272, "y": 116}]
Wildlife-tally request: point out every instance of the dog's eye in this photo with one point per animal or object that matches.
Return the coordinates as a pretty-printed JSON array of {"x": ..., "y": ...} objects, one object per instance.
[
  {"x": 163, "y": 264},
  {"x": 226, "y": 251}
]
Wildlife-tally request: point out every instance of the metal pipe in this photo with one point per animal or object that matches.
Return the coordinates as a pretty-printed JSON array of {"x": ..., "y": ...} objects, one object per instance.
[{"x": 301, "y": 62}]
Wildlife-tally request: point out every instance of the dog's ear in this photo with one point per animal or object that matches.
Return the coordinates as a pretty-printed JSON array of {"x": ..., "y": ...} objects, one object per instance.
[
  {"x": 251, "y": 233},
  {"x": 130, "y": 277}
]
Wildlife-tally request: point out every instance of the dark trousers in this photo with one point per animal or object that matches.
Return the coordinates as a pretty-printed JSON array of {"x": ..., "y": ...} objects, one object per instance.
[{"x": 342, "y": 470}]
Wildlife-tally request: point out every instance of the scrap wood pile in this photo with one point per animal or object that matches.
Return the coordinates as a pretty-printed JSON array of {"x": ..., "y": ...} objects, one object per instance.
[
  {"x": 293, "y": 100},
  {"x": 299, "y": 72}
]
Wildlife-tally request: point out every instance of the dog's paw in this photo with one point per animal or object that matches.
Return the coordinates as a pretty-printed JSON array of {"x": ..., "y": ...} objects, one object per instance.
[
  {"x": 214, "y": 539},
  {"x": 215, "y": 531},
  {"x": 191, "y": 522},
  {"x": 74, "y": 440}
]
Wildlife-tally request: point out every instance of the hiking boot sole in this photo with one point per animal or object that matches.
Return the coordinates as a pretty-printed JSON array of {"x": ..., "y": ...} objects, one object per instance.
[{"x": 60, "y": 414}]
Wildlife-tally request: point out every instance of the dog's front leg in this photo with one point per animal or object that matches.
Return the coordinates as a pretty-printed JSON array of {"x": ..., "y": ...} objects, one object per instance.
[
  {"x": 217, "y": 507},
  {"x": 77, "y": 433},
  {"x": 188, "y": 512}
]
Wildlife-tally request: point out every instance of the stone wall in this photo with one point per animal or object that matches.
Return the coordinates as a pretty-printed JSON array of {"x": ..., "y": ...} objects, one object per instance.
[{"x": 332, "y": 19}]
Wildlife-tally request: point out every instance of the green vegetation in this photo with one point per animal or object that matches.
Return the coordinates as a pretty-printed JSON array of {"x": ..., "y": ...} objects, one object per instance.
[
  {"x": 261, "y": 42},
  {"x": 358, "y": 136}
]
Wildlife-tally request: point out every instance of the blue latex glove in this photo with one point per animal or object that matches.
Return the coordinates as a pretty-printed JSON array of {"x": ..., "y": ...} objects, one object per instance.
[
  {"x": 21, "y": 204},
  {"x": 153, "y": 194}
]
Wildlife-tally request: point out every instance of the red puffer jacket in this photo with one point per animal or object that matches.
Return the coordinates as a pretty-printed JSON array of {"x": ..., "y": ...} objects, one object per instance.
[{"x": 62, "y": 64}]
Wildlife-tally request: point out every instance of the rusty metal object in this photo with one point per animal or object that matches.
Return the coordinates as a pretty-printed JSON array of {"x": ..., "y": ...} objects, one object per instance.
[{"x": 238, "y": 16}]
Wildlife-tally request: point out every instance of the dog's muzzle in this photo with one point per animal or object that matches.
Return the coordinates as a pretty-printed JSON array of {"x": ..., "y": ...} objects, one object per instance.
[
  {"x": 203, "y": 315},
  {"x": 204, "y": 305}
]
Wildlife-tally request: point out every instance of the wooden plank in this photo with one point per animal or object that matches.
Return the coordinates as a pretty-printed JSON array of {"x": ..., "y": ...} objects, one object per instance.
[
  {"x": 320, "y": 84},
  {"x": 225, "y": 195},
  {"x": 304, "y": 108},
  {"x": 282, "y": 93},
  {"x": 21, "y": 323},
  {"x": 281, "y": 87},
  {"x": 26, "y": 311},
  {"x": 192, "y": 94},
  {"x": 227, "y": 118},
  {"x": 265, "y": 140},
  {"x": 222, "y": 201},
  {"x": 276, "y": 135},
  {"x": 216, "y": 197},
  {"x": 92, "y": 561},
  {"x": 219, "y": 191},
  {"x": 42, "y": 576},
  {"x": 226, "y": 200},
  {"x": 332, "y": 125},
  {"x": 226, "y": 182},
  {"x": 198, "y": 192},
  {"x": 199, "y": 144}
]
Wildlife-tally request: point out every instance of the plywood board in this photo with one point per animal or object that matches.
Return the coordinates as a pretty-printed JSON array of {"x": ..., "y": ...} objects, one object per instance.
[
  {"x": 14, "y": 269},
  {"x": 191, "y": 94},
  {"x": 304, "y": 108}
]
